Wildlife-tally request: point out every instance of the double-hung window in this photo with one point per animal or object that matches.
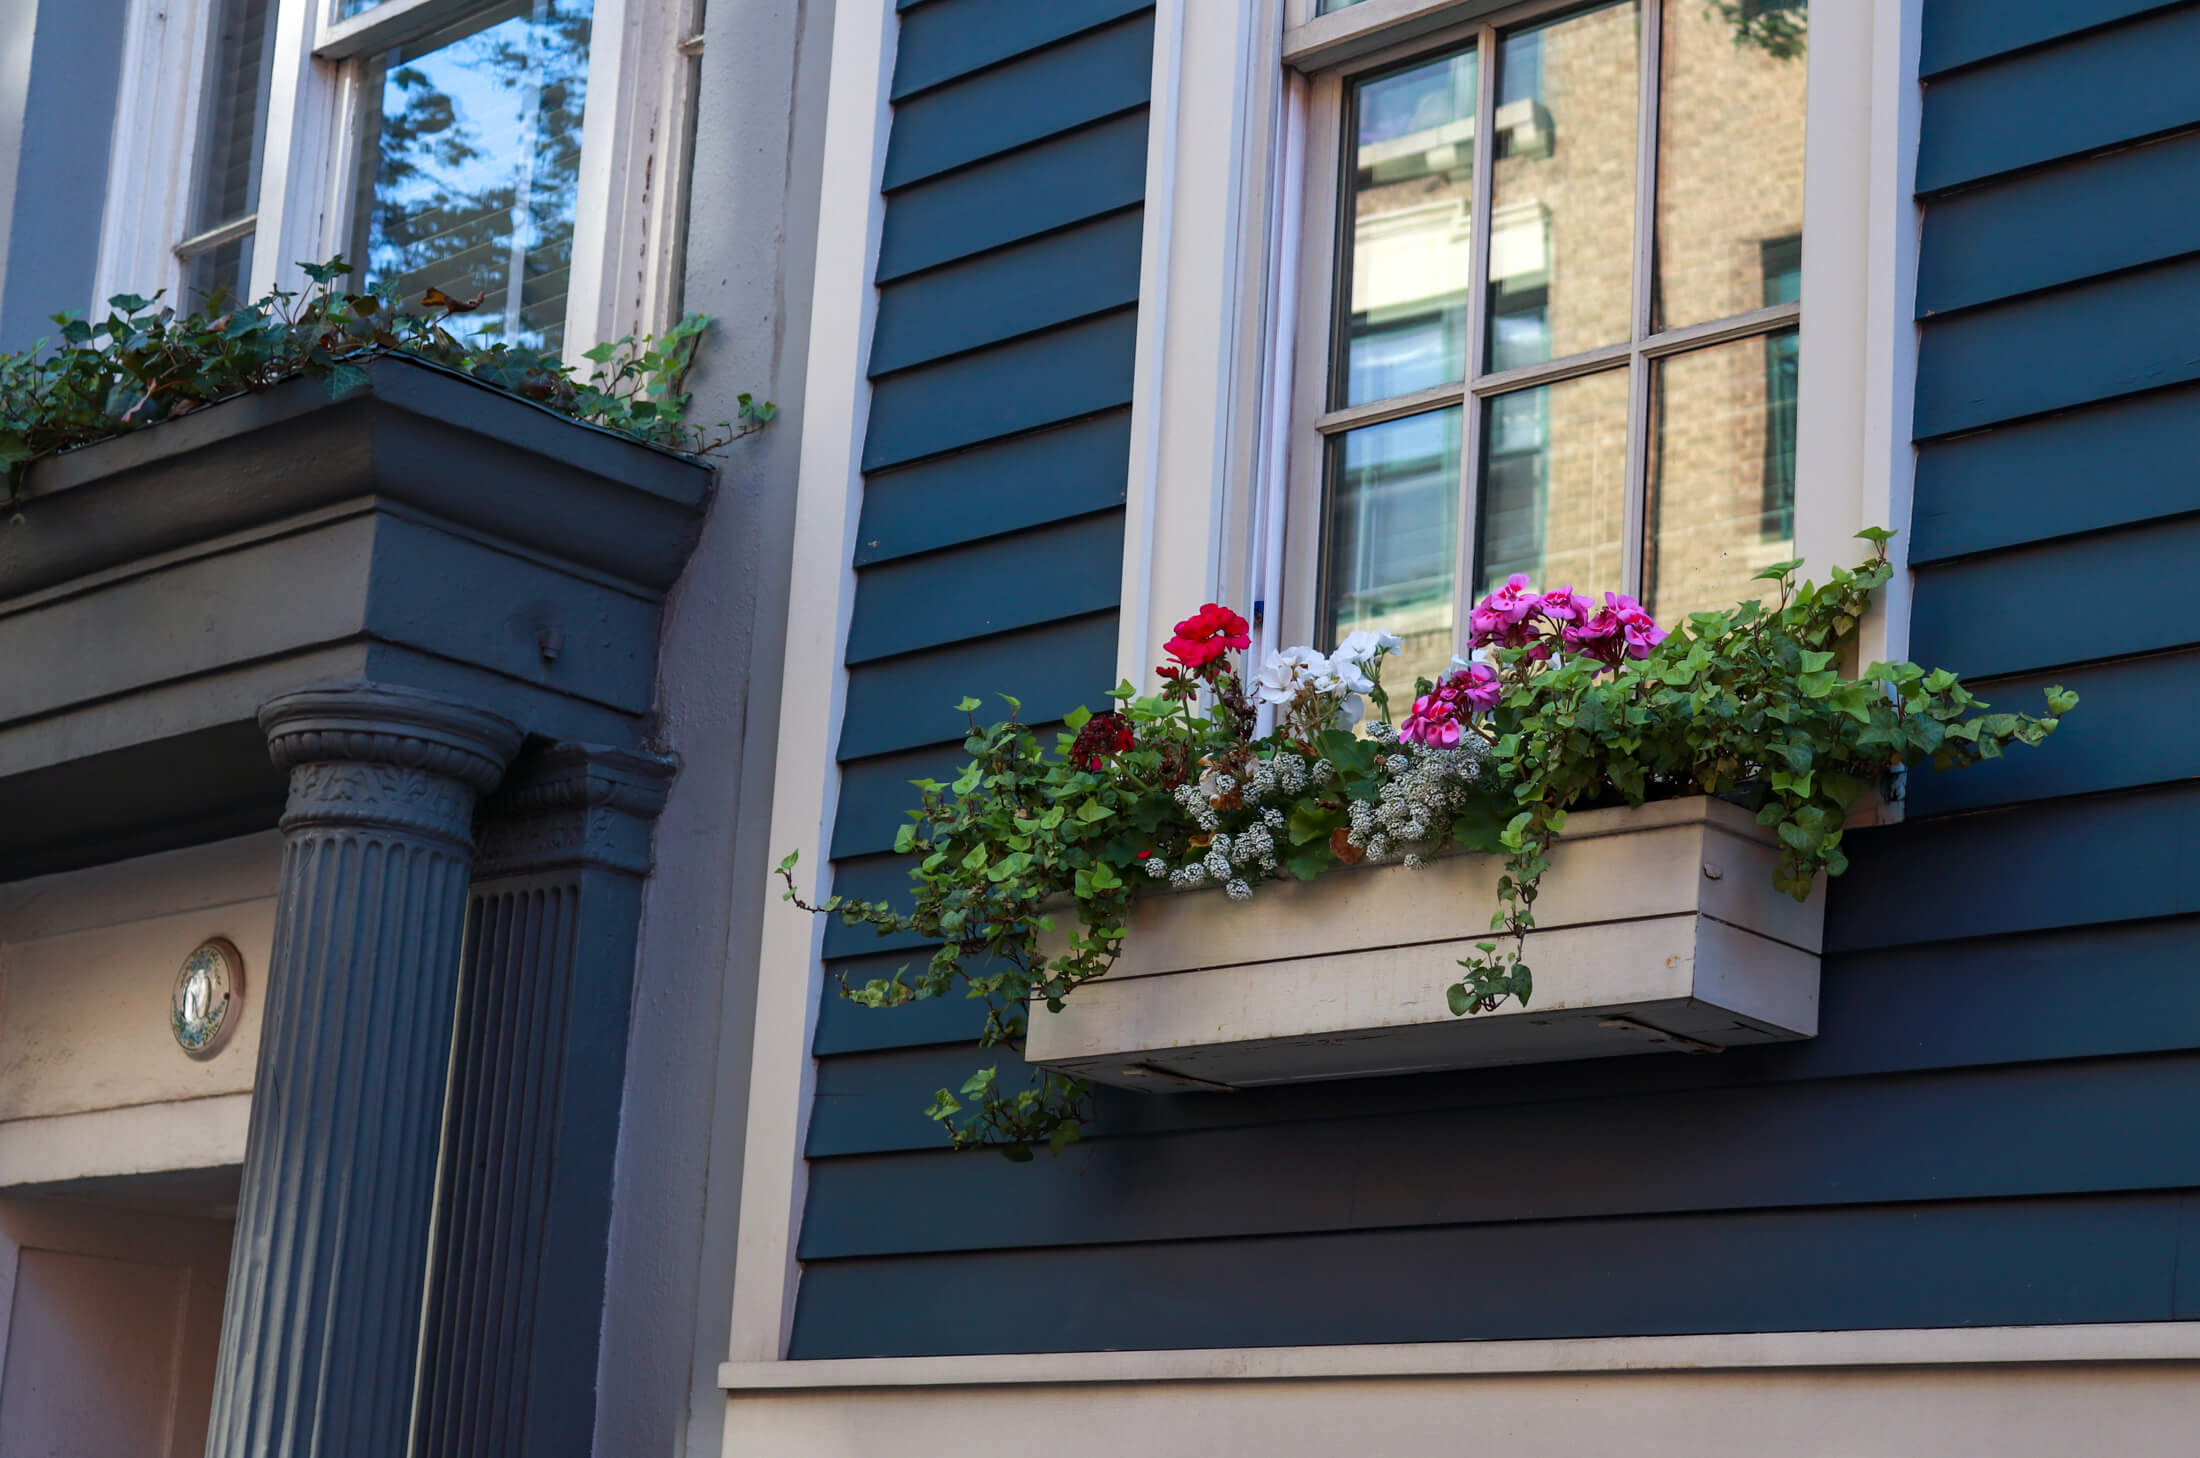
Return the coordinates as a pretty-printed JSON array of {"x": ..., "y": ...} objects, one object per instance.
[
  {"x": 1562, "y": 249},
  {"x": 521, "y": 156}
]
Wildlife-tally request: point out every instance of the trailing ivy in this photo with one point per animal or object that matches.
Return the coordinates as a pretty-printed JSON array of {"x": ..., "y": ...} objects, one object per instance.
[
  {"x": 1568, "y": 705},
  {"x": 147, "y": 362}
]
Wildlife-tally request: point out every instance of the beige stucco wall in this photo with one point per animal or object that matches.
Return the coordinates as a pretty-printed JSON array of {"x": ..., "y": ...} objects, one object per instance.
[{"x": 91, "y": 1080}]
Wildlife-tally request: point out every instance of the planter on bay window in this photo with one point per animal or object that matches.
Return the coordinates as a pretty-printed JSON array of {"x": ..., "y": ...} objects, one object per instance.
[{"x": 1658, "y": 930}]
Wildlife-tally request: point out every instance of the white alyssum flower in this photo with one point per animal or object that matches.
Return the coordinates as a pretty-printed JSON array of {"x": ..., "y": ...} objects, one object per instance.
[{"x": 1238, "y": 891}]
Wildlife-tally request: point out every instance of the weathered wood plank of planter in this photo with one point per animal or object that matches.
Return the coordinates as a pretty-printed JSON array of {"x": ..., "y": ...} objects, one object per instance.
[{"x": 1658, "y": 930}]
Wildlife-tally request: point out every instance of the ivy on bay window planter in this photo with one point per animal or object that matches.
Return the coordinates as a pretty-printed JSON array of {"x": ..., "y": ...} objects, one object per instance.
[{"x": 1598, "y": 836}]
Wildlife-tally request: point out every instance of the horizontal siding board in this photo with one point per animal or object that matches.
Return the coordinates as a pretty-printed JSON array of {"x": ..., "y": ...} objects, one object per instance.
[
  {"x": 951, "y": 38},
  {"x": 1942, "y": 1136},
  {"x": 1061, "y": 571},
  {"x": 1054, "y": 280},
  {"x": 2110, "y": 465},
  {"x": 909, "y": 702},
  {"x": 1961, "y": 614},
  {"x": 2053, "y": 863},
  {"x": 1964, "y": 32},
  {"x": 1000, "y": 486},
  {"x": 1994, "y": 1000},
  {"x": 1997, "y": 242},
  {"x": 1078, "y": 370},
  {"x": 2096, "y": 341},
  {"x": 1069, "y": 179},
  {"x": 1100, "y": 74},
  {"x": 1999, "y": 1263},
  {"x": 876, "y": 796},
  {"x": 2101, "y": 89},
  {"x": 2094, "y": 748},
  {"x": 847, "y": 1027}
]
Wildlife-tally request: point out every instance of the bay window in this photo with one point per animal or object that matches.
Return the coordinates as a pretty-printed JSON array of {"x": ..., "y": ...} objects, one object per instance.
[
  {"x": 525, "y": 154},
  {"x": 1554, "y": 261}
]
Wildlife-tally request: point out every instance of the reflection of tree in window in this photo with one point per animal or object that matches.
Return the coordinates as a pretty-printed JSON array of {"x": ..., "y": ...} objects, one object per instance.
[
  {"x": 1392, "y": 532},
  {"x": 1783, "y": 266},
  {"x": 473, "y": 144}
]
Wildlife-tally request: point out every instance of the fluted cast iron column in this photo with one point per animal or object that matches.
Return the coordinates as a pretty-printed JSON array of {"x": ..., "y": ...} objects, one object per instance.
[
  {"x": 327, "y": 1281},
  {"x": 538, "y": 1071}
]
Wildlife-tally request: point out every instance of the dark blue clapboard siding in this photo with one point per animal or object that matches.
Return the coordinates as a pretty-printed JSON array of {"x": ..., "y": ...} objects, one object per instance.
[
  {"x": 1981, "y": 1002},
  {"x": 1985, "y": 245},
  {"x": 1940, "y": 1136},
  {"x": 1002, "y": 486},
  {"x": 942, "y": 42},
  {"x": 1997, "y": 1122},
  {"x": 2100, "y": 89},
  {"x": 1961, "y": 1263},
  {"x": 1082, "y": 271},
  {"x": 1054, "y": 184},
  {"x": 2113, "y": 464},
  {"x": 1100, "y": 74},
  {"x": 1962, "y": 32},
  {"x": 2097, "y": 340}
]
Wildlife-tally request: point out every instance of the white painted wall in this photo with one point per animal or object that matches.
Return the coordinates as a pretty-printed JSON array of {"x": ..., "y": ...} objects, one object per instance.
[
  {"x": 91, "y": 1080},
  {"x": 751, "y": 243}
]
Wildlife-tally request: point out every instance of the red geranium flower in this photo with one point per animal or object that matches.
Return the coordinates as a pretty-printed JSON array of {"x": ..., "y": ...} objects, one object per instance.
[
  {"x": 1103, "y": 735},
  {"x": 1206, "y": 635}
]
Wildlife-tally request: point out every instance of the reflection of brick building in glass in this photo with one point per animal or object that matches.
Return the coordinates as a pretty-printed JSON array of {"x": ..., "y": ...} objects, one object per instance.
[{"x": 1729, "y": 222}]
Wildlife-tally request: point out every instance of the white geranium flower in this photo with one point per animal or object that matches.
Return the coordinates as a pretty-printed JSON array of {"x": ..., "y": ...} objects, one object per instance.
[
  {"x": 1364, "y": 645},
  {"x": 1283, "y": 676}
]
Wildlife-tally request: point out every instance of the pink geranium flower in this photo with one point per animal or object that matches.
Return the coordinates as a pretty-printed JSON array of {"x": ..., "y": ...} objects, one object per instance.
[
  {"x": 1501, "y": 617},
  {"x": 1639, "y": 630},
  {"x": 1434, "y": 723},
  {"x": 1564, "y": 605}
]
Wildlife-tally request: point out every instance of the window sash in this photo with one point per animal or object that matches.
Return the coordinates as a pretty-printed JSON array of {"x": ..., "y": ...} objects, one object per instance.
[{"x": 1378, "y": 35}]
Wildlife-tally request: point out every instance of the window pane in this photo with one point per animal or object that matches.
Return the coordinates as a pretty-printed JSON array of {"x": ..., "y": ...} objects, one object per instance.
[
  {"x": 1412, "y": 246},
  {"x": 224, "y": 270},
  {"x": 471, "y": 167},
  {"x": 1554, "y": 485},
  {"x": 1392, "y": 534},
  {"x": 1722, "y": 474},
  {"x": 238, "y": 68},
  {"x": 1563, "y": 190},
  {"x": 1730, "y": 155},
  {"x": 1327, "y": 7}
]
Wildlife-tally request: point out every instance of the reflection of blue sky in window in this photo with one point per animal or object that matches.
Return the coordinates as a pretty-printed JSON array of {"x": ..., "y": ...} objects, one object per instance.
[{"x": 471, "y": 168}]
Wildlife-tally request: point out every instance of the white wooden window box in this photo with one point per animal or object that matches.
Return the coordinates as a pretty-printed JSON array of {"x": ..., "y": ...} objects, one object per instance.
[{"x": 1658, "y": 930}]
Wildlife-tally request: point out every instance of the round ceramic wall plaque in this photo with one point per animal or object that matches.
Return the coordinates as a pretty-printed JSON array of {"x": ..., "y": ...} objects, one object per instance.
[{"x": 203, "y": 1010}]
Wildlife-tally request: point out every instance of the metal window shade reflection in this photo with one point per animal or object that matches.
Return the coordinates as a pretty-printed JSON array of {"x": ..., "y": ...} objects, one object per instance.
[
  {"x": 1409, "y": 253},
  {"x": 217, "y": 254},
  {"x": 1389, "y": 542},
  {"x": 470, "y": 167}
]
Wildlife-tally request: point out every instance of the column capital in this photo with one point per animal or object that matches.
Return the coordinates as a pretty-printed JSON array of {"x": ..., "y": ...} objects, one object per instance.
[
  {"x": 574, "y": 804},
  {"x": 364, "y": 754}
]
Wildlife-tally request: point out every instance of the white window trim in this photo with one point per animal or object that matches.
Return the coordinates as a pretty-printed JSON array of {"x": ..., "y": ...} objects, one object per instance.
[
  {"x": 625, "y": 274},
  {"x": 1190, "y": 496},
  {"x": 836, "y": 413},
  {"x": 151, "y": 166},
  {"x": 1196, "y": 452}
]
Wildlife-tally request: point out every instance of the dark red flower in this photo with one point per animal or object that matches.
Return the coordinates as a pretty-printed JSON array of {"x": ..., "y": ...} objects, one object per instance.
[
  {"x": 1103, "y": 735},
  {"x": 1206, "y": 635}
]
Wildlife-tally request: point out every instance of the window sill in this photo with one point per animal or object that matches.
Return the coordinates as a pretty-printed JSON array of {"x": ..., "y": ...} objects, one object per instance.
[{"x": 1659, "y": 930}]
